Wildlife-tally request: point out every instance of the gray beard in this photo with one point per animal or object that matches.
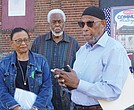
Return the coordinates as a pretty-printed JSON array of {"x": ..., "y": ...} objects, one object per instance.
[
  {"x": 93, "y": 40},
  {"x": 56, "y": 34}
]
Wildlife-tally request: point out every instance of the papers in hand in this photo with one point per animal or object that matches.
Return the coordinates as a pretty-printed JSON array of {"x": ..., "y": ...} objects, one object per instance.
[
  {"x": 126, "y": 98},
  {"x": 25, "y": 98}
]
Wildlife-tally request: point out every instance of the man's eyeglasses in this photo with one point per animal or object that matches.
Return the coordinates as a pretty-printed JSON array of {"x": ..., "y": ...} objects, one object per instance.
[
  {"x": 88, "y": 23},
  {"x": 19, "y": 41}
]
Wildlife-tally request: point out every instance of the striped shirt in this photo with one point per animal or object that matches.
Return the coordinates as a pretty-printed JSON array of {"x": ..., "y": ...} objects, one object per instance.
[{"x": 58, "y": 55}]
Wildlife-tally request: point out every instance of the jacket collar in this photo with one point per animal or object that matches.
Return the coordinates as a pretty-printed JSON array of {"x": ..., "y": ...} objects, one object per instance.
[{"x": 31, "y": 58}]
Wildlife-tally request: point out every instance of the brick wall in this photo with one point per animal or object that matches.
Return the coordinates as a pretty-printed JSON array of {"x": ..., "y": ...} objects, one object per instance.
[{"x": 72, "y": 9}]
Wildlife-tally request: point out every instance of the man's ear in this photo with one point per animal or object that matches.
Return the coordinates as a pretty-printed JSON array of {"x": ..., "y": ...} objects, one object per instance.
[{"x": 103, "y": 23}]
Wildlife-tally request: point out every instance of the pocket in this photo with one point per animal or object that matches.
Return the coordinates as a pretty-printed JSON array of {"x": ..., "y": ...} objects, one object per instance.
[
  {"x": 38, "y": 78},
  {"x": 6, "y": 75},
  {"x": 9, "y": 80}
]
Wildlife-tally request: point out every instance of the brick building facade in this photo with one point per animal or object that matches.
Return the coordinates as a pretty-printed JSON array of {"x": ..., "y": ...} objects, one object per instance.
[{"x": 72, "y": 9}]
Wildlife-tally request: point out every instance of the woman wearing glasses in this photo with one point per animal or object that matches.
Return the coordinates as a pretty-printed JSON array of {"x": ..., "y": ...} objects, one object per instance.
[{"x": 27, "y": 72}]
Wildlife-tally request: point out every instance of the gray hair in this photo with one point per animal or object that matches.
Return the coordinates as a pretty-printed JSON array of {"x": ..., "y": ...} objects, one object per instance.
[{"x": 53, "y": 11}]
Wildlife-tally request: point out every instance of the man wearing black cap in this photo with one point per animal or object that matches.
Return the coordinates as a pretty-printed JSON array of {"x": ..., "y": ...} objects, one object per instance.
[{"x": 101, "y": 66}]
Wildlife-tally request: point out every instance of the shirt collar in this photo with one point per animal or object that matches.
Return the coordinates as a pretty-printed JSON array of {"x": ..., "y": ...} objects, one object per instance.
[
  {"x": 87, "y": 45},
  {"x": 102, "y": 41}
]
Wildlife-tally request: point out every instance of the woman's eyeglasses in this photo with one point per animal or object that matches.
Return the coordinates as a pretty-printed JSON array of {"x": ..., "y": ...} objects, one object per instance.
[
  {"x": 19, "y": 41},
  {"x": 88, "y": 23}
]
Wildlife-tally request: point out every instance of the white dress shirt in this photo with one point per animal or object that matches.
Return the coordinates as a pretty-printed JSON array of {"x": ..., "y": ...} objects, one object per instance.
[{"x": 102, "y": 70}]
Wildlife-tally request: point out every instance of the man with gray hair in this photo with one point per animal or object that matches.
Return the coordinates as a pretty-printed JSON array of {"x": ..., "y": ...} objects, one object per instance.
[{"x": 60, "y": 50}]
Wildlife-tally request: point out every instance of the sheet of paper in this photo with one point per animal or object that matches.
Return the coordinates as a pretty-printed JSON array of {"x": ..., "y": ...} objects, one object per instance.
[
  {"x": 126, "y": 98},
  {"x": 25, "y": 98}
]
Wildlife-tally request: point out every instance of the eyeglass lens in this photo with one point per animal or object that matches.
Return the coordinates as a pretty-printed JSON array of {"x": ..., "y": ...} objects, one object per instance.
[
  {"x": 19, "y": 41},
  {"x": 89, "y": 24}
]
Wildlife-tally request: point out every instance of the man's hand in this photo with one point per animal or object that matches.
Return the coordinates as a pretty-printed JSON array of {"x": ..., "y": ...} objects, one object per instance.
[
  {"x": 18, "y": 108},
  {"x": 65, "y": 79}
]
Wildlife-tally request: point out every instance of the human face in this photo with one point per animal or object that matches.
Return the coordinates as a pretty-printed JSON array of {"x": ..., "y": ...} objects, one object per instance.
[
  {"x": 20, "y": 42},
  {"x": 92, "y": 28},
  {"x": 57, "y": 24}
]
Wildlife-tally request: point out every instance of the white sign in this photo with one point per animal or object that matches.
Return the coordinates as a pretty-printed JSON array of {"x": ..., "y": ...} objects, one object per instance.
[
  {"x": 125, "y": 17},
  {"x": 16, "y": 7}
]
